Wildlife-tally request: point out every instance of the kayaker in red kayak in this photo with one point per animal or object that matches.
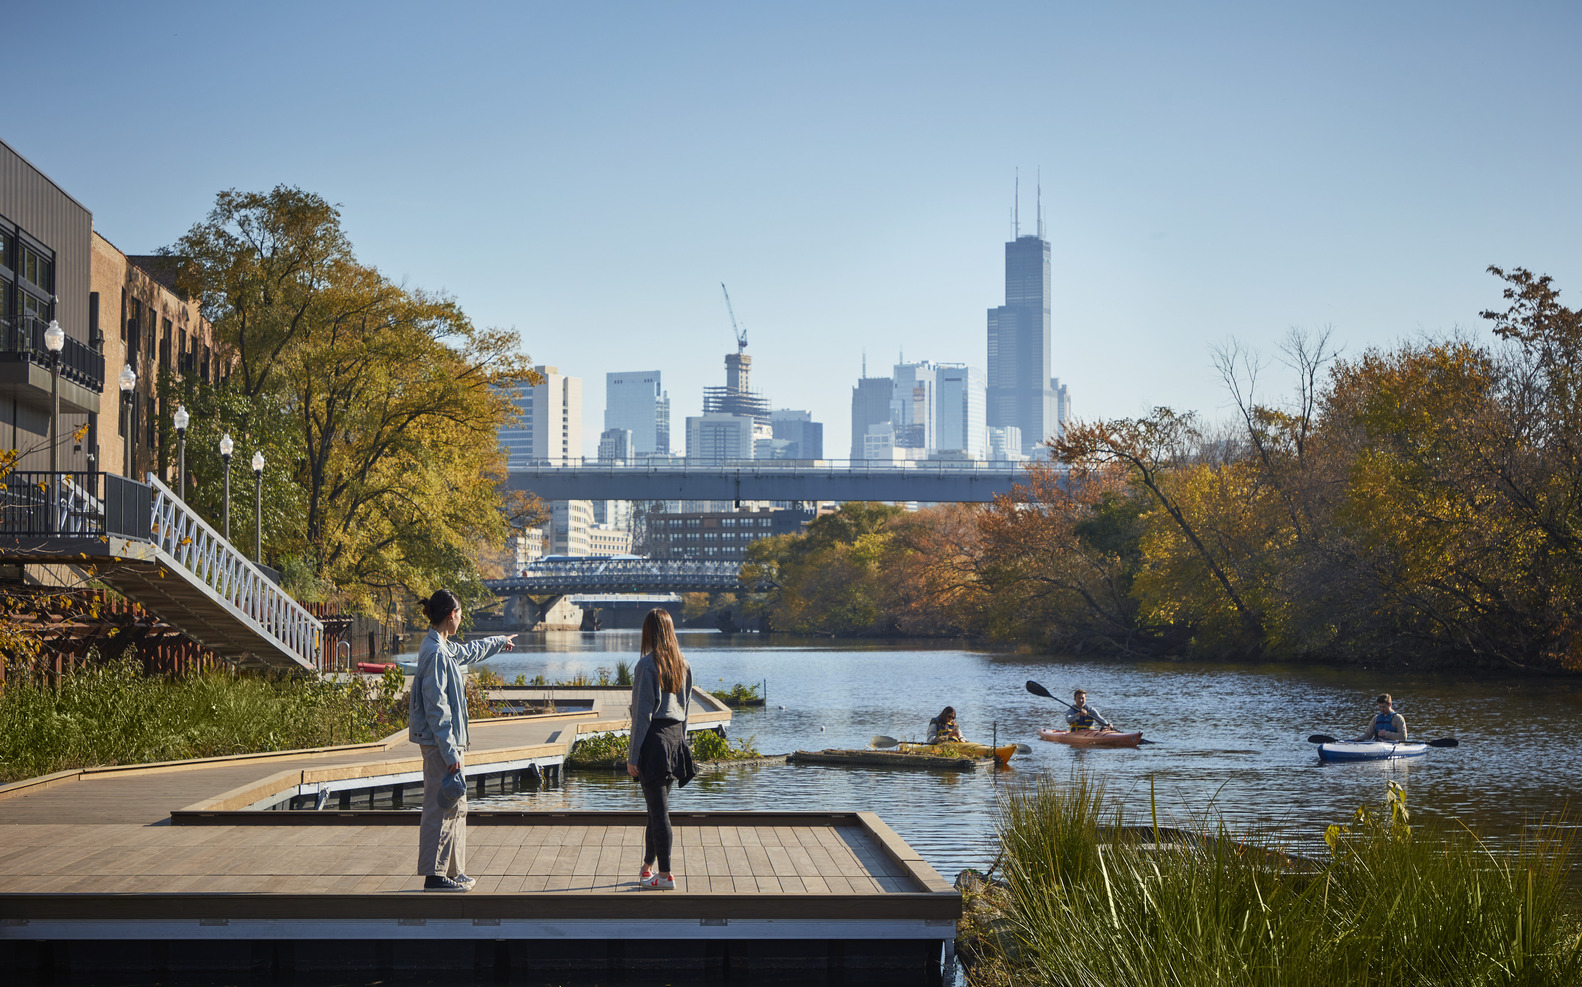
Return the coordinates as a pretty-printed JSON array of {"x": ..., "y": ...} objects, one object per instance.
[
  {"x": 942, "y": 728},
  {"x": 1386, "y": 724},
  {"x": 1081, "y": 716}
]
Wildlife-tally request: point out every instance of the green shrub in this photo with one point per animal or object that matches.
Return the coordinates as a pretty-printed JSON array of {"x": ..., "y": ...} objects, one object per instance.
[
  {"x": 111, "y": 713},
  {"x": 1086, "y": 902},
  {"x": 710, "y": 746}
]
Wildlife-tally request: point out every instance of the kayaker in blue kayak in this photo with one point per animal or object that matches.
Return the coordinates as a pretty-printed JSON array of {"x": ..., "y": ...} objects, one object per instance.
[
  {"x": 1386, "y": 724},
  {"x": 1081, "y": 716}
]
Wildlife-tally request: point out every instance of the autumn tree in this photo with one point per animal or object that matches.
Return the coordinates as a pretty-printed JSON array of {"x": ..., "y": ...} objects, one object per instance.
[{"x": 381, "y": 404}]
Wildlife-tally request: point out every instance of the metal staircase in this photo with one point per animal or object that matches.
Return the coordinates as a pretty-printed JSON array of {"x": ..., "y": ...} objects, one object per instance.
[{"x": 147, "y": 544}]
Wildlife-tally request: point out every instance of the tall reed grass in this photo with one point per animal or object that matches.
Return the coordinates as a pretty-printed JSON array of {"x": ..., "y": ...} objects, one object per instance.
[
  {"x": 1087, "y": 901},
  {"x": 111, "y": 713}
]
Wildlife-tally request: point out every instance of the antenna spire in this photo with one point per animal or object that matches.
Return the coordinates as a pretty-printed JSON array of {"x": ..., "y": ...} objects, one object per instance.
[{"x": 1016, "y": 210}]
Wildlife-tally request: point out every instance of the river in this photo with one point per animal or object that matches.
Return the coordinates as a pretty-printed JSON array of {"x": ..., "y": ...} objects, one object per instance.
[{"x": 1230, "y": 738}]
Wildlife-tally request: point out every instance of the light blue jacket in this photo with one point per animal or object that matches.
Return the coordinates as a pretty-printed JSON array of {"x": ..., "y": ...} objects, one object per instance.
[{"x": 438, "y": 710}]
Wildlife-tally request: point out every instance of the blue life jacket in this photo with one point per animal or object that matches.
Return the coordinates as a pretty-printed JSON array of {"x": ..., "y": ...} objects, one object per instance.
[
  {"x": 1084, "y": 720},
  {"x": 1383, "y": 721}
]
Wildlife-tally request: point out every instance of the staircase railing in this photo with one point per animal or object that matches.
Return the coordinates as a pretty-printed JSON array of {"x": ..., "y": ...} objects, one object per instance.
[{"x": 211, "y": 560}]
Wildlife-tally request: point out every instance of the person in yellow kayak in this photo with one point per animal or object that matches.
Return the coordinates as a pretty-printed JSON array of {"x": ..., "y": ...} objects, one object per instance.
[
  {"x": 1386, "y": 724},
  {"x": 1081, "y": 716},
  {"x": 942, "y": 729}
]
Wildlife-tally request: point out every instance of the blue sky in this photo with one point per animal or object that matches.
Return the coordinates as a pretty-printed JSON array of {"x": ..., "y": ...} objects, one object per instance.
[{"x": 589, "y": 173}]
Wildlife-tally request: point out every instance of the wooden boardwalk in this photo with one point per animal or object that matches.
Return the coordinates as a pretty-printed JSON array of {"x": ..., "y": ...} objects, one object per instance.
[{"x": 173, "y": 869}]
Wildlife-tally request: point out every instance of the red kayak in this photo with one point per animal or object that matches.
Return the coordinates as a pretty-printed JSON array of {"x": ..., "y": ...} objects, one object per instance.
[
  {"x": 1092, "y": 738},
  {"x": 373, "y": 667}
]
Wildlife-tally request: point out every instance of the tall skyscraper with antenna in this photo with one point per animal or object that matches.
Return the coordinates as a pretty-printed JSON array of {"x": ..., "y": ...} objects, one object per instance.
[{"x": 1020, "y": 346}]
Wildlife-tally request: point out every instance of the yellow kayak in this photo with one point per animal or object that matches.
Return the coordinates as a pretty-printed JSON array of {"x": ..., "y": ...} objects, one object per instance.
[{"x": 962, "y": 749}]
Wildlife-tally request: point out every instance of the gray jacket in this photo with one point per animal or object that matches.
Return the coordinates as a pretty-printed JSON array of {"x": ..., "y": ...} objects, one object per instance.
[
  {"x": 649, "y": 704},
  {"x": 438, "y": 709}
]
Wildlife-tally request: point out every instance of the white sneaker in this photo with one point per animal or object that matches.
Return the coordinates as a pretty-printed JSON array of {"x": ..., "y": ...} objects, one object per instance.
[{"x": 658, "y": 882}]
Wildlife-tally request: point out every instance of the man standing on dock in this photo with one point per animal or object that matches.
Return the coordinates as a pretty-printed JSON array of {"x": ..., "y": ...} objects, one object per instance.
[{"x": 437, "y": 723}]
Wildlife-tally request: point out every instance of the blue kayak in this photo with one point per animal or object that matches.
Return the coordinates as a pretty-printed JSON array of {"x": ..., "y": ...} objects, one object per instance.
[{"x": 1369, "y": 750}]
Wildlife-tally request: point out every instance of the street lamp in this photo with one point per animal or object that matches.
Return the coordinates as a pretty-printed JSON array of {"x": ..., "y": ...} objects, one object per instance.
[
  {"x": 54, "y": 341},
  {"x": 128, "y": 380},
  {"x": 226, "y": 448},
  {"x": 258, "y": 508},
  {"x": 181, "y": 418}
]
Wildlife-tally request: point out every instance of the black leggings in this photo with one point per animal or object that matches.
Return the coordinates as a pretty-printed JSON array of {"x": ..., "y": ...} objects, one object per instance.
[{"x": 657, "y": 838}]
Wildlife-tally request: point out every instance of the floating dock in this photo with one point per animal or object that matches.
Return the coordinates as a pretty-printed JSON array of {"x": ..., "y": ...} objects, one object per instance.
[{"x": 191, "y": 870}]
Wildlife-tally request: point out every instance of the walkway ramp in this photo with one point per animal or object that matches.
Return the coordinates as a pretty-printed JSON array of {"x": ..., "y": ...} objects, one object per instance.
[{"x": 146, "y": 543}]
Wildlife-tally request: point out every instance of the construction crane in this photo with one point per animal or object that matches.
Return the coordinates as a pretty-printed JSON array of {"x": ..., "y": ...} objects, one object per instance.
[{"x": 741, "y": 333}]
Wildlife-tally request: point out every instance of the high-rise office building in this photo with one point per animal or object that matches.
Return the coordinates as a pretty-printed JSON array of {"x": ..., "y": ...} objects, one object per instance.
[
  {"x": 636, "y": 400},
  {"x": 550, "y": 429},
  {"x": 961, "y": 400},
  {"x": 870, "y": 405},
  {"x": 796, "y": 435},
  {"x": 1020, "y": 347},
  {"x": 1062, "y": 405},
  {"x": 912, "y": 405},
  {"x": 720, "y": 438},
  {"x": 615, "y": 445}
]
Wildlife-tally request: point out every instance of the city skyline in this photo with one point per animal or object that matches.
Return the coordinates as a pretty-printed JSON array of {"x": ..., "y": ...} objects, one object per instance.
[{"x": 1229, "y": 170}]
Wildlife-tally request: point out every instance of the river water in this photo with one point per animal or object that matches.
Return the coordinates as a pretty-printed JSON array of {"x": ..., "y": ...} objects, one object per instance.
[{"x": 1230, "y": 738}]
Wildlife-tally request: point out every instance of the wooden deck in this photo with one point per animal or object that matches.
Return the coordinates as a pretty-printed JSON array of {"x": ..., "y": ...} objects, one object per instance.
[{"x": 175, "y": 869}]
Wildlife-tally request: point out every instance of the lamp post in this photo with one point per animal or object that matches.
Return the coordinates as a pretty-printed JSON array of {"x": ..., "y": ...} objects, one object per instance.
[
  {"x": 128, "y": 380},
  {"x": 258, "y": 508},
  {"x": 226, "y": 447},
  {"x": 54, "y": 340},
  {"x": 181, "y": 419}
]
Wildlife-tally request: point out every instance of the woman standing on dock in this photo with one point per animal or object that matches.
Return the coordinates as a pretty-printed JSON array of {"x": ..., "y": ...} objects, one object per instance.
[
  {"x": 437, "y": 723},
  {"x": 658, "y": 753}
]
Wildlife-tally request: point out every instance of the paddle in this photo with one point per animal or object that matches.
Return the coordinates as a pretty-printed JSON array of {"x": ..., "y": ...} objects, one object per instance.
[
  {"x": 880, "y": 740},
  {"x": 1039, "y": 690},
  {"x": 1324, "y": 738}
]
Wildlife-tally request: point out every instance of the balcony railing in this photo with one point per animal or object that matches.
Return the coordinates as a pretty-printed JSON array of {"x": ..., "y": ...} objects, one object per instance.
[
  {"x": 84, "y": 505},
  {"x": 22, "y": 339}
]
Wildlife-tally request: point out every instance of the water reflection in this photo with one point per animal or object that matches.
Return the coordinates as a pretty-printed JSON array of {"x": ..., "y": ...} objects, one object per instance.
[{"x": 1231, "y": 739}]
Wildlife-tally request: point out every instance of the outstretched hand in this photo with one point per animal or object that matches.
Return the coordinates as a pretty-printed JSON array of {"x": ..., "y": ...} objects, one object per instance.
[{"x": 510, "y": 643}]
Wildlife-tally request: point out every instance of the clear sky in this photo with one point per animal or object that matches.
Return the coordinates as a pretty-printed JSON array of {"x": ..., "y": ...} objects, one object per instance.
[{"x": 588, "y": 173}]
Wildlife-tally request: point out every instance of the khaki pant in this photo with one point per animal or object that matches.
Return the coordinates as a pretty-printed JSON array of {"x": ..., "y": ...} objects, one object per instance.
[{"x": 441, "y": 835}]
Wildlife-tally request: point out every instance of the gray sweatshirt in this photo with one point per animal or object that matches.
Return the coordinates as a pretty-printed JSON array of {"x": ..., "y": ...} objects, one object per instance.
[{"x": 649, "y": 704}]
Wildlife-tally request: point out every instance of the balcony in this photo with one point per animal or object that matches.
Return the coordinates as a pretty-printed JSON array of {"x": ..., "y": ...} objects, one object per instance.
[{"x": 25, "y": 374}]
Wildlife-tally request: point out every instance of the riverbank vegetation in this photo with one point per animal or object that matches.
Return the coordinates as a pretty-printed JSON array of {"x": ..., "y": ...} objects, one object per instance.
[
  {"x": 1418, "y": 504},
  {"x": 608, "y": 750},
  {"x": 1395, "y": 902},
  {"x": 111, "y": 713}
]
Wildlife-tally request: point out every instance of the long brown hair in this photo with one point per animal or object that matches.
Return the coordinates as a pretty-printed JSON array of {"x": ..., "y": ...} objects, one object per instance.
[{"x": 659, "y": 639}]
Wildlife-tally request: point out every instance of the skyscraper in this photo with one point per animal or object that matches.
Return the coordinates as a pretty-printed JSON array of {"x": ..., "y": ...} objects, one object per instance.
[
  {"x": 912, "y": 405},
  {"x": 870, "y": 405},
  {"x": 1020, "y": 346},
  {"x": 961, "y": 395},
  {"x": 550, "y": 430},
  {"x": 636, "y": 401}
]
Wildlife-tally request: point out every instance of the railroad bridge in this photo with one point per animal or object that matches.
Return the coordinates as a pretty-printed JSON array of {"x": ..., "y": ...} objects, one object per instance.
[{"x": 547, "y": 581}]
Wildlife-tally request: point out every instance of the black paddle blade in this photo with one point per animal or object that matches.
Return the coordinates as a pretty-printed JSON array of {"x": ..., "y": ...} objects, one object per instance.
[
  {"x": 1321, "y": 738},
  {"x": 1445, "y": 742},
  {"x": 1038, "y": 690}
]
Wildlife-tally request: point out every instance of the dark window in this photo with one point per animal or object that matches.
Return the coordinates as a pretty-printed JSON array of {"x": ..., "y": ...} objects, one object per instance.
[
  {"x": 34, "y": 266},
  {"x": 94, "y": 336},
  {"x": 164, "y": 346},
  {"x": 7, "y": 250},
  {"x": 134, "y": 329}
]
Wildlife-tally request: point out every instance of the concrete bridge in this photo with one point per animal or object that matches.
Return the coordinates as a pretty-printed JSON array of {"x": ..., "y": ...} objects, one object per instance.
[{"x": 767, "y": 479}]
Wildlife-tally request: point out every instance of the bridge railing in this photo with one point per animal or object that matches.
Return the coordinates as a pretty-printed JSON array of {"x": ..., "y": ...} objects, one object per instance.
[
  {"x": 682, "y": 467},
  {"x": 570, "y": 575},
  {"x": 214, "y": 562}
]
